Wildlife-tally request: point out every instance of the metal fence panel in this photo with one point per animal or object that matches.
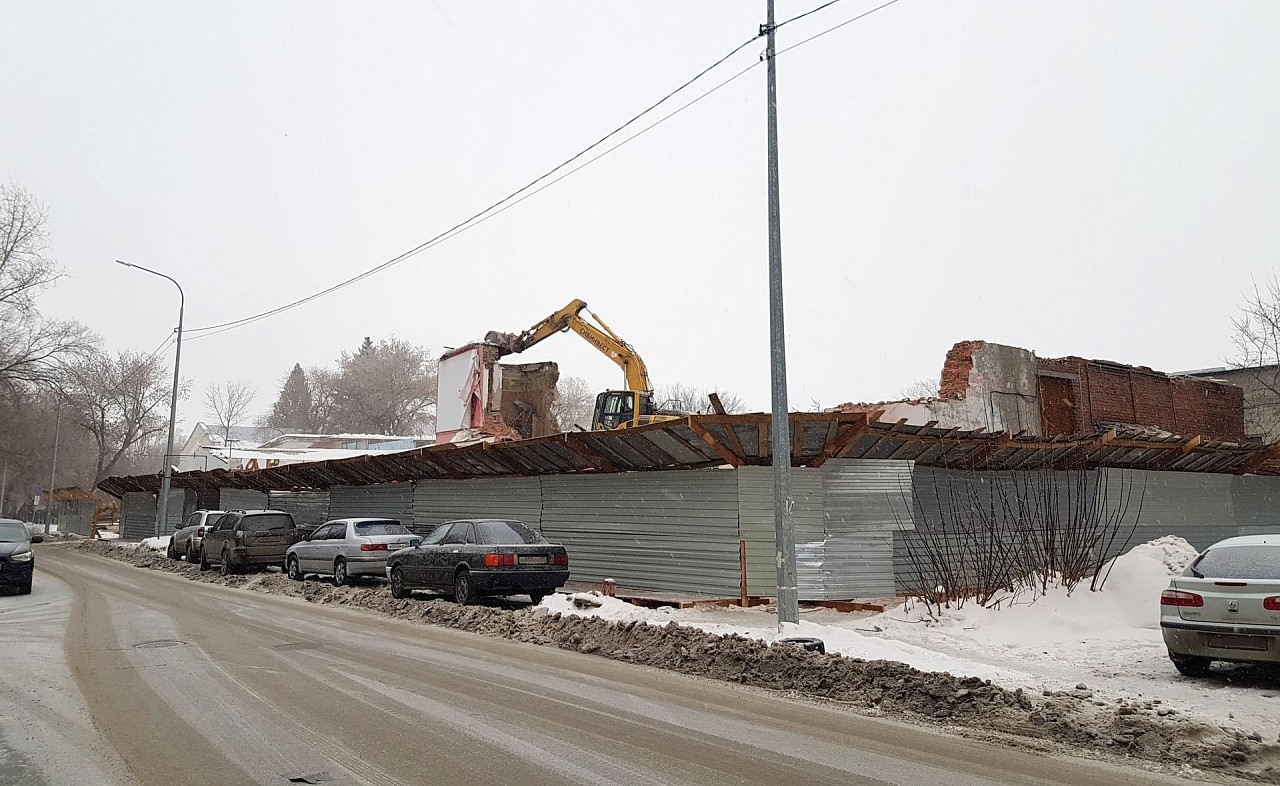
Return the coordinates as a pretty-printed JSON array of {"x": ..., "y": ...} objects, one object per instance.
[
  {"x": 138, "y": 515},
  {"x": 75, "y": 516},
  {"x": 865, "y": 501},
  {"x": 241, "y": 499},
  {"x": 310, "y": 509},
  {"x": 756, "y": 528},
  {"x": 384, "y": 500},
  {"x": 438, "y": 501},
  {"x": 675, "y": 531}
]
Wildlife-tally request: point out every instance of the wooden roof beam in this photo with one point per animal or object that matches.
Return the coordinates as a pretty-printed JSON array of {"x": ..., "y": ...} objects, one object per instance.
[{"x": 723, "y": 452}]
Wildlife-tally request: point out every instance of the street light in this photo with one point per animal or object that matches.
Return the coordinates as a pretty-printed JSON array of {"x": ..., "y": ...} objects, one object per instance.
[{"x": 162, "y": 508}]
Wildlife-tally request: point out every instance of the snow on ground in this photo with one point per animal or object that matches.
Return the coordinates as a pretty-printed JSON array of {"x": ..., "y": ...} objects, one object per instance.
[
  {"x": 108, "y": 535},
  {"x": 1108, "y": 640},
  {"x": 156, "y": 544}
]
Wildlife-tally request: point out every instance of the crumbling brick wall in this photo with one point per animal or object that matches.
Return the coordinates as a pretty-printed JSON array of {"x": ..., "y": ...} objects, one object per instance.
[
  {"x": 528, "y": 398},
  {"x": 1099, "y": 393},
  {"x": 956, "y": 368}
]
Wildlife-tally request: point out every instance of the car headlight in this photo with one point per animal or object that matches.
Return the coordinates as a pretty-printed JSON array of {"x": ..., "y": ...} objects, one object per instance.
[{"x": 22, "y": 556}]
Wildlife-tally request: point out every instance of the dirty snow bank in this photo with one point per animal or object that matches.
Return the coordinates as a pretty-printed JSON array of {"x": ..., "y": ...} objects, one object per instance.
[
  {"x": 1074, "y": 718},
  {"x": 156, "y": 544}
]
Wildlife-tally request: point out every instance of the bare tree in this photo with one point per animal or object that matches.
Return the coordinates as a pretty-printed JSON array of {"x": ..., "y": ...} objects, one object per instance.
[
  {"x": 32, "y": 347},
  {"x": 387, "y": 388},
  {"x": 119, "y": 400},
  {"x": 574, "y": 404},
  {"x": 228, "y": 405},
  {"x": 921, "y": 388},
  {"x": 25, "y": 268},
  {"x": 691, "y": 398},
  {"x": 1256, "y": 335}
]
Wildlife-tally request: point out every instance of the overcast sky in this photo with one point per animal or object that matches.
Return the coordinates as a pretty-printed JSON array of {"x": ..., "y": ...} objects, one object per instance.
[{"x": 1089, "y": 178}]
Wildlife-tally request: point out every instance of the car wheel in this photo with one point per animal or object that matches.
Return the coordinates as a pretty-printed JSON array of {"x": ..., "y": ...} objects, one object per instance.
[
  {"x": 398, "y": 590},
  {"x": 463, "y": 593},
  {"x": 1191, "y": 665},
  {"x": 204, "y": 560},
  {"x": 537, "y": 597},
  {"x": 295, "y": 572},
  {"x": 25, "y": 589},
  {"x": 340, "y": 576},
  {"x": 224, "y": 567}
]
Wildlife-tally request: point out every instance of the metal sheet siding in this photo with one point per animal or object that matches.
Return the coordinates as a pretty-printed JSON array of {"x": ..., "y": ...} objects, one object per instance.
[
  {"x": 865, "y": 502},
  {"x": 1256, "y": 501},
  {"x": 385, "y": 500},
  {"x": 241, "y": 499},
  {"x": 674, "y": 531},
  {"x": 309, "y": 508},
  {"x": 1198, "y": 507},
  {"x": 138, "y": 515},
  {"x": 74, "y": 517},
  {"x": 756, "y": 528},
  {"x": 438, "y": 501}
]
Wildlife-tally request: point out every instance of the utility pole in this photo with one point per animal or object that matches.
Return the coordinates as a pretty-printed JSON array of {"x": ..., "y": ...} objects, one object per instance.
[
  {"x": 784, "y": 532},
  {"x": 162, "y": 504},
  {"x": 4, "y": 484},
  {"x": 53, "y": 471}
]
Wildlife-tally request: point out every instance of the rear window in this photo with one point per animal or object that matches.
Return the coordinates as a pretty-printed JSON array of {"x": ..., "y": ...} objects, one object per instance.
[
  {"x": 1238, "y": 562},
  {"x": 381, "y": 528},
  {"x": 266, "y": 522},
  {"x": 505, "y": 533}
]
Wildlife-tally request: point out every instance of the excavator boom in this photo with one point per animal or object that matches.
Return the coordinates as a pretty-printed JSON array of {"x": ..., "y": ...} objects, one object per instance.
[
  {"x": 597, "y": 334},
  {"x": 614, "y": 408}
]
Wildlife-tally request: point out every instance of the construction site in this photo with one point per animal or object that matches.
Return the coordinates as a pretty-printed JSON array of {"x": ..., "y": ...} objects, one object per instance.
[{"x": 680, "y": 507}]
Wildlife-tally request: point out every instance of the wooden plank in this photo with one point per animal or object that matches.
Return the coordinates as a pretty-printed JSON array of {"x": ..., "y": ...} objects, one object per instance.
[
  {"x": 764, "y": 440},
  {"x": 732, "y": 442},
  {"x": 723, "y": 452},
  {"x": 579, "y": 447},
  {"x": 839, "y": 445}
]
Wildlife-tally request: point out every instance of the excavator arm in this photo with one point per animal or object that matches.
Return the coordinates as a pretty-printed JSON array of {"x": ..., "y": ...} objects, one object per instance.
[{"x": 597, "y": 334}]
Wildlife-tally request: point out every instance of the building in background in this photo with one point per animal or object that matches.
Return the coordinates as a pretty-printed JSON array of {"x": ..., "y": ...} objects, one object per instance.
[
  {"x": 1261, "y": 387},
  {"x": 261, "y": 448}
]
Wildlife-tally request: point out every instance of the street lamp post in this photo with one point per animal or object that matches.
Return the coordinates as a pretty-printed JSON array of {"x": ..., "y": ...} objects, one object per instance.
[{"x": 162, "y": 506}]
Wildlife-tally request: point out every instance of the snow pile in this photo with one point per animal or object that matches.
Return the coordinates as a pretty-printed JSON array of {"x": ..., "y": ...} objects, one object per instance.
[{"x": 156, "y": 544}]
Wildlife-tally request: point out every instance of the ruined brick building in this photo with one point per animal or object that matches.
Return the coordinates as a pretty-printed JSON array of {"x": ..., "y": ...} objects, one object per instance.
[{"x": 1003, "y": 388}]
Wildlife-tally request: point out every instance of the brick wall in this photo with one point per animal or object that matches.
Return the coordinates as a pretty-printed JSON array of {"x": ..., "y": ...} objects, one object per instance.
[
  {"x": 956, "y": 368},
  {"x": 1113, "y": 393}
]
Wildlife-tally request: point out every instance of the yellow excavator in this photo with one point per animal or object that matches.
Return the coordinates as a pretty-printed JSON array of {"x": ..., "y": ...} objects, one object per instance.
[{"x": 614, "y": 408}]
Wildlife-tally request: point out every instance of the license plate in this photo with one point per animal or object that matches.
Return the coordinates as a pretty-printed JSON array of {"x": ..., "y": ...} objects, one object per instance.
[
  {"x": 1227, "y": 641},
  {"x": 396, "y": 546},
  {"x": 533, "y": 559}
]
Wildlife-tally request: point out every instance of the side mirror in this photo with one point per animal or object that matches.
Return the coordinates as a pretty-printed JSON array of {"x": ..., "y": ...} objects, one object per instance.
[
  {"x": 413, "y": 544},
  {"x": 37, "y": 538}
]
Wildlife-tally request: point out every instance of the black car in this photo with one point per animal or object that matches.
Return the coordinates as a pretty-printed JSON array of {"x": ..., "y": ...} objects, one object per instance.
[
  {"x": 467, "y": 559},
  {"x": 248, "y": 538},
  {"x": 17, "y": 560}
]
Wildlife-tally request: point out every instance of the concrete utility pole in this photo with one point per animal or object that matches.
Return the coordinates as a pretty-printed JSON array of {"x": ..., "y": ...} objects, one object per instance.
[
  {"x": 53, "y": 471},
  {"x": 783, "y": 519},
  {"x": 162, "y": 506},
  {"x": 4, "y": 484}
]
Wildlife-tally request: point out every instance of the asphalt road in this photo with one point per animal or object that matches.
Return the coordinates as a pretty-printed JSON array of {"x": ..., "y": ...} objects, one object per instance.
[{"x": 114, "y": 674}]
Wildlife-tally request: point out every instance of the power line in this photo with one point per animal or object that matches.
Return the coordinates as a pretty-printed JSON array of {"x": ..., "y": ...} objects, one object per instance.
[
  {"x": 476, "y": 217},
  {"x": 780, "y": 25},
  {"x": 862, "y": 15},
  {"x": 525, "y": 192}
]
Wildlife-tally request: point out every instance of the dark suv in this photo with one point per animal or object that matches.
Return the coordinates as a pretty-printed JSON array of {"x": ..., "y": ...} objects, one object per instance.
[{"x": 248, "y": 538}]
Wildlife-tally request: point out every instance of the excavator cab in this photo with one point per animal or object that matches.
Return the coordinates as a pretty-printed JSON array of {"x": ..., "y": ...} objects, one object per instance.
[{"x": 618, "y": 409}]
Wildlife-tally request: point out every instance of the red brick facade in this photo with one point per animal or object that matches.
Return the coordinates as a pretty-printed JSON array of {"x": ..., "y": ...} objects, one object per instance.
[
  {"x": 956, "y": 368},
  {"x": 1082, "y": 396}
]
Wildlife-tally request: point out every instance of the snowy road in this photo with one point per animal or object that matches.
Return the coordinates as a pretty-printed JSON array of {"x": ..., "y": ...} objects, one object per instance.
[{"x": 193, "y": 683}]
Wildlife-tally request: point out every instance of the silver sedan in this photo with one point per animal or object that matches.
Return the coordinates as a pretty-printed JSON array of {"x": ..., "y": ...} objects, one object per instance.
[
  {"x": 345, "y": 548},
  {"x": 1225, "y": 607}
]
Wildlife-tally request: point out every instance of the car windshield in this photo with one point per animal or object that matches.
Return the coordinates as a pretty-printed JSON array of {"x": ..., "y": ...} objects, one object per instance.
[
  {"x": 1238, "y": 562},
  {"x": 506, "y": 533},
  {"x": 381, "y": 528},
  {"x": 436, "y": 535},
  {"x": 12, "y": 533},
  {"x": 267, "y": 522}
]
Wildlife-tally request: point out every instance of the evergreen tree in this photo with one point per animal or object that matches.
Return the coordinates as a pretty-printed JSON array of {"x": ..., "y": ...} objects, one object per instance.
[{"x": 293, "y": 409}]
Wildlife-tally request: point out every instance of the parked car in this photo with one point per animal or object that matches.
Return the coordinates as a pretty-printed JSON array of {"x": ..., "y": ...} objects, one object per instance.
[
  {"x": 1225, "y": 606},
  {"x": 248, "y": 538},
  {"x": 467, "y": 559},
  {"x": 17, "y": 560},
  {"x": 346, "y": 548},
  {"x": 187, "y": 538}
]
